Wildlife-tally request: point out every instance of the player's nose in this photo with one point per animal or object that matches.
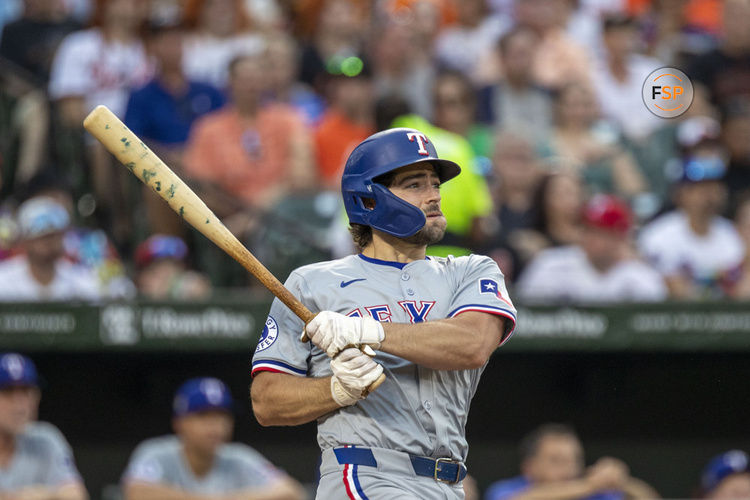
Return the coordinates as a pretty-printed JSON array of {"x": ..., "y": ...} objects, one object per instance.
[{"x": 433, "y": 195}]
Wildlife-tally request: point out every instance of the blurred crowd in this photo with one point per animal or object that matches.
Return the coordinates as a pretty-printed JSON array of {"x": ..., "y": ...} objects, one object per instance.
[{"x": 569, "y": 182}]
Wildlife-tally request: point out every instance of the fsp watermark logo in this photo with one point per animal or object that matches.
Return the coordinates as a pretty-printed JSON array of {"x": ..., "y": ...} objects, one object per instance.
[{"x": 667, "y": 92}]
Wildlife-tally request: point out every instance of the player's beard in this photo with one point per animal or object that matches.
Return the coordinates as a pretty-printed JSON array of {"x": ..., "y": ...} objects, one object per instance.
[{"x": 432, "y": 232}]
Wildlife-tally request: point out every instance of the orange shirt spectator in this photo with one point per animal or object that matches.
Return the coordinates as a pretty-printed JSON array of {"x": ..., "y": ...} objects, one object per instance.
[
  {"x": 335, "y": 138},
  {"x": 253, "y": 153},
  {"x": 249, "y": 160},
  {"x": 348, "y": 121}
]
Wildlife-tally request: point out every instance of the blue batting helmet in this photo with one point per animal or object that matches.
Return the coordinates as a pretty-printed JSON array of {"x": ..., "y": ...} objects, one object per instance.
[{"x": 377, "y": 155}]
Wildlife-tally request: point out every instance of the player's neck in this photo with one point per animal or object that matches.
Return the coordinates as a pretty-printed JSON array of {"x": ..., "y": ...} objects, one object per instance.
[
  {"x": 392, "y": 249},
  {"x": 200, "y": 464}
]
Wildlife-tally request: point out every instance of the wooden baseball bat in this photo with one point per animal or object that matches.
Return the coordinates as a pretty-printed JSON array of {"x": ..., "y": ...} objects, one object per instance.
[{"x": 144, "y": 164}]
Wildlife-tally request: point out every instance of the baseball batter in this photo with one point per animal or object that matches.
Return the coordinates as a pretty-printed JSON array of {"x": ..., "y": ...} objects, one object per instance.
[{"x": 433, "y": 321}]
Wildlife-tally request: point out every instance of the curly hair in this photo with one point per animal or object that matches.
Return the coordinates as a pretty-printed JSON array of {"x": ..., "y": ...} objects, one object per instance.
[{"x": 361, "y": 234}]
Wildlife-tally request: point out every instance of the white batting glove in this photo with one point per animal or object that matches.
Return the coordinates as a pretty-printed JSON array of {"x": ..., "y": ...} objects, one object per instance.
[
  {"x": 353, "y": 373},
  {"x": 334, "y": 332}
]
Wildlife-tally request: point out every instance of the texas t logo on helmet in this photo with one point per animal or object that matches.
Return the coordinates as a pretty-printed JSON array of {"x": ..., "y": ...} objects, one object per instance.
[
  {"x": 377, "y": 155},
  {"x": 421, "y": 140}
]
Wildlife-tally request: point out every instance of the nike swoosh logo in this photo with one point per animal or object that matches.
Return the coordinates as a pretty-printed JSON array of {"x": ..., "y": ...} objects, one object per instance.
[{"x": 347, "y": 283}]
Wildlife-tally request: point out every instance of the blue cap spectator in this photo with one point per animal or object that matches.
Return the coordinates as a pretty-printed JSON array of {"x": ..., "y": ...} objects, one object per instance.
[
  {"x": 727, "y": 476},
  {"x": 17, "y": 370},
  {"x": 699, "y": 168},
  {"x": 41, "y": 216},
  {"x": 202, "y": 394}
]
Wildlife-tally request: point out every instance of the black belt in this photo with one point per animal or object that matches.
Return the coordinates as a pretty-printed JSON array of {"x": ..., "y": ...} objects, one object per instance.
[{"x": 440, "y": 469}]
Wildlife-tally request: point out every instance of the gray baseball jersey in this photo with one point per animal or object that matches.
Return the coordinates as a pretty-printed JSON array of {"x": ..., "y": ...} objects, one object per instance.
[
  {"x": 42, "y": 458},
  {"x": 417, "y": 410},
  {"x": 236, "y": 467}
]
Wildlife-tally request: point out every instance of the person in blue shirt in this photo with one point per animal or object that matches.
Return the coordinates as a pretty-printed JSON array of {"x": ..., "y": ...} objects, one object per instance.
[
  {"x": 163, "y": 111},
  {"x": 553, "y": 468}
]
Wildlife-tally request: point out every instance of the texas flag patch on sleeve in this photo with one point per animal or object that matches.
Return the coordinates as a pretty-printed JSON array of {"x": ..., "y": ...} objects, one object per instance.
[{"x": 491, "y": 286}]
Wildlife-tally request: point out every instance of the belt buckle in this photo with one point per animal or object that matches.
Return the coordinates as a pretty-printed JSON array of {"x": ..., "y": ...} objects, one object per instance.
[{"x": 438, "y": 461}]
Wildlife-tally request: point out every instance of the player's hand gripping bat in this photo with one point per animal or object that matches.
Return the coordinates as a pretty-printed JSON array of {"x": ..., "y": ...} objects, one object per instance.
[{"x": 144, "y": 164}]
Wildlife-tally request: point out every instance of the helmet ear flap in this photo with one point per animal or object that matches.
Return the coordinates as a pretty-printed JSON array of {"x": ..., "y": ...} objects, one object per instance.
[{"x": 393, "y": 215}]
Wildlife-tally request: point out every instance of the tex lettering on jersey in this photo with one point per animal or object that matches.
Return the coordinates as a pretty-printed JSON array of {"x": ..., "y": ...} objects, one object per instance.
[
  {"x": 417, "y": 311},
  {"x": 417, "y": 314}
]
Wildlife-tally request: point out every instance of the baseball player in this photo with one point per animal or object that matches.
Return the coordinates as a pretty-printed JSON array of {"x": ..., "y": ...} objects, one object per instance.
[
  {"x": 35, "y": 460},
  {"x": 434, "y": 321},
  {"x": 197, "y": 463}
]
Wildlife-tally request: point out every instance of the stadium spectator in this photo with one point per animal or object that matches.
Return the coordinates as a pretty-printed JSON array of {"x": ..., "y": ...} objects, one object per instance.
[
  {"x": 727, "y": 476},
  {"x": 725, "y": 71},
  {"x": 583, "y": 21},
  {"x": 35, "y": 460},
  {"x": 348, "y": 121},
  {"x": 198, "y": 461},
  {"x": 463, "y": 46},
  {"x": 600, "y": 269},
  {"x": 403, "y": 68},
  {"x": 340, "y": 30},
  {"x": 516, "y": 175},
  {"x": 516, "y": 103},
  {"x": 87, "y": 247},
  {"x": 100, "y": 65},
  {"x": 579, "y": 137},
  {"x": 161, "y": 270},
  {"x": 553, "y": 468},
  {"x": 220, "y": 30},
  {"x": 27, "y": 48},
  {"x": 670, "y": 34},
  {"x": 558, "y": 60},
  {"x": 558, "y": 202},
  {"x": 256, "y": 153},
  {"x": 513, "y": 182},
  {"x": 735, "y": 130},
  {"x": 283, "y": 68},
  {"x": 24, "y": 129},
  {"x": 97, "y": 66},
  {"x": 664, "y": 147},
  {"x": 697, "y": 251},
  {"x": 162, "y": 112},
  {"x": 454, "y": 104},
  {"x": 41, "y": 272},
  {"x": 619, "y": 76},
  {"x": 31, "y": 41}
]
